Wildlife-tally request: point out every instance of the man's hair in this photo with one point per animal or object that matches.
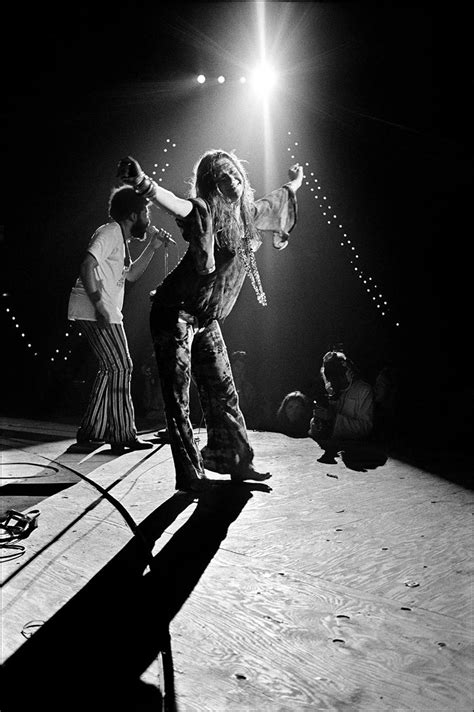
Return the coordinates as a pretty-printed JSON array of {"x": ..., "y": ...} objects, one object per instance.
[
  {"x": 124, "y": 201},
  {"x": 337, "y": 359},
  {"x": 334, "y": 369}
]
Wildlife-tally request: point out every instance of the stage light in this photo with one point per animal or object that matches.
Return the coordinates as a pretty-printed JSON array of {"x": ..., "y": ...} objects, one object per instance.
[
  {"x": 201, "y": 79},
  {"x": 242, "y": 80},
  {"x": 221, "y": 79},
  {"x": 264, "y": 78}
]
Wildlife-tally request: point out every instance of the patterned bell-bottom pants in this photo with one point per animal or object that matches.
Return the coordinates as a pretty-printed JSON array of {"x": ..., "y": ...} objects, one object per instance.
[{"x": 182, "y": 351}]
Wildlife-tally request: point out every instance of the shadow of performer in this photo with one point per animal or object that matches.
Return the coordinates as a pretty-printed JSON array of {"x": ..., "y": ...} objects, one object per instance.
[{"x": 91, "y": 653}]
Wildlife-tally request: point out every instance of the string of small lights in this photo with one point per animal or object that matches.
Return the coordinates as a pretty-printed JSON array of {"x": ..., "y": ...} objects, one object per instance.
[
  {"x": 373, "y": 290},
  {"x": 69, "y": 331},
  {"x": 169, "y": 146},
  {"x": 65, "y": 344}
]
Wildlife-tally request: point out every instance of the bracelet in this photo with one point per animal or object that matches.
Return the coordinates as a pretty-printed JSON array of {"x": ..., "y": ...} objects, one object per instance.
[
  {"x": 95, "y": 297},
  {"x": 139, "y": 186},
  {"x": 142, "y": 188},
  {"x": 150, "y": 190}
]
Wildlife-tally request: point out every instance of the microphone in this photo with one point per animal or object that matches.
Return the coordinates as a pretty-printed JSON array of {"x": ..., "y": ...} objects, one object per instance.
[{"x": 163, "y": 235}]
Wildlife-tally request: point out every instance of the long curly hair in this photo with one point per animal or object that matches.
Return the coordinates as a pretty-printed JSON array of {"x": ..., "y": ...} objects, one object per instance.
[
  {"x": 300, "y": 426},
  {"x": 234, "y": 229}
]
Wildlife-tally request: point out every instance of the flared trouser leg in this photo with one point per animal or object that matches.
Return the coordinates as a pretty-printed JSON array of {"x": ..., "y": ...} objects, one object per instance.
[
  {"x": 173, "y": 355},
  {"x": 109, "y": 414},
  {"x": 227, "y": 446}
]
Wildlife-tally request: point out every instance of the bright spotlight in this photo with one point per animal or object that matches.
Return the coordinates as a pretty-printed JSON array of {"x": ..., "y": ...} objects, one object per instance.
[
  {"x": 264, "y": 78},
  {"x": 201, "y": 79},
  {"x": 221, "y": 79},
  {"x": 242, "y": 80}
]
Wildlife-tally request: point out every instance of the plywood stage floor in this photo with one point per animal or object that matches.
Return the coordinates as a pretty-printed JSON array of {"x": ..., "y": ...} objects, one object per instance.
[{"x": 344, "y": 585}]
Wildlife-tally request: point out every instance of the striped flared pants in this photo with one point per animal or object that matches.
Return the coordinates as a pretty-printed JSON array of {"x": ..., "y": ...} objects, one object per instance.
[{"x": 109, "y": 414}]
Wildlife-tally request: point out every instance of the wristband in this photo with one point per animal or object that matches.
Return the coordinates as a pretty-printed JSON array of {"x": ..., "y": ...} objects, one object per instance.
[
  {"x": 145, "y": 190},
  {"x": 139, "y": 185},
  {"x": 143, "y": 186},
  {"x": 95, "y": 297}
]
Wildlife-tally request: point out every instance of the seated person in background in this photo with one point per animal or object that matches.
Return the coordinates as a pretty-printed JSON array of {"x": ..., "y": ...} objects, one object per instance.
[
  {"x": 294, "y": 415},
  {"x": 349, "y": 411}
]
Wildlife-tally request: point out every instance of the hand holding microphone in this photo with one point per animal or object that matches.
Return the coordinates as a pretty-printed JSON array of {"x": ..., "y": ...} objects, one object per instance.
[{"x": 158, "y": 237}]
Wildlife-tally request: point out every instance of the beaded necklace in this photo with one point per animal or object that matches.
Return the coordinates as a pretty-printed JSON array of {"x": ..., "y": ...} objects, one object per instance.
[{"x": 248, "y": 258}]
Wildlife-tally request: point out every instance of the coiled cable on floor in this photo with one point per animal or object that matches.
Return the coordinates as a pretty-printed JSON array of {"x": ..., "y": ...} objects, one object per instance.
[{"x": 106, "y": 495}]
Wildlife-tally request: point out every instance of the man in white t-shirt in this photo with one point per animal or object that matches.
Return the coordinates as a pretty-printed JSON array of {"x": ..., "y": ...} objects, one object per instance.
[{"x": 96, "y": 303}]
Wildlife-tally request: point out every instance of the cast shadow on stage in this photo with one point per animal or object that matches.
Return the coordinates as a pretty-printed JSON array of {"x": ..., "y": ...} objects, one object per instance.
[
  {"x": 358, "y": 456},
  {"x": 91, "y": 653},
  {"x": 364, "y": 458},
  {"x": 453, "y": 465}
]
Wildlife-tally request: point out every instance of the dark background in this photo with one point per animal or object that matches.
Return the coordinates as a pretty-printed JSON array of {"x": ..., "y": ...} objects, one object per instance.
[{"x": 375, "y": 94}]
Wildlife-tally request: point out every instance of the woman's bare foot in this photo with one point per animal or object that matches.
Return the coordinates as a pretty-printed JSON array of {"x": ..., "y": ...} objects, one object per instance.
[{"x": 249, "y": 473}]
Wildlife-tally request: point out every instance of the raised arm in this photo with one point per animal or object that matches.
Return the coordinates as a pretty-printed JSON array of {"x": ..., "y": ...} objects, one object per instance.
[
  {"x": 276, "y": 212},
  {"x": 295, "y": 174},
  {"x": 130, "y": 172},
  {"x": 157, "y": 238}
]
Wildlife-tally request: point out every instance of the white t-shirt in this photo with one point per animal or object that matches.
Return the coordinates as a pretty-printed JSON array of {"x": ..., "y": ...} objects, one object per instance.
[{"x": 108, "y": 247}]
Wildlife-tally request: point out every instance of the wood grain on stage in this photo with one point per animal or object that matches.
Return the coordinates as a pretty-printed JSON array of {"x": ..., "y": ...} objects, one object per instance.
[{"x": 343, "y": 587}]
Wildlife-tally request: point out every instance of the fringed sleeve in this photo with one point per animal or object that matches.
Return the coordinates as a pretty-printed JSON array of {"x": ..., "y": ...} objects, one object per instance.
[{"x": 277, "y": 213}]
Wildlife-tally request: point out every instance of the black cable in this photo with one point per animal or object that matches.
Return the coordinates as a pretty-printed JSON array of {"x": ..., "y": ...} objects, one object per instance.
[
  {"x": 166, "y": 654},
  {"x": 121, "y": 509},
  {"x": 17, "y": 551},
  {"x": 26, "y": 477}
]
